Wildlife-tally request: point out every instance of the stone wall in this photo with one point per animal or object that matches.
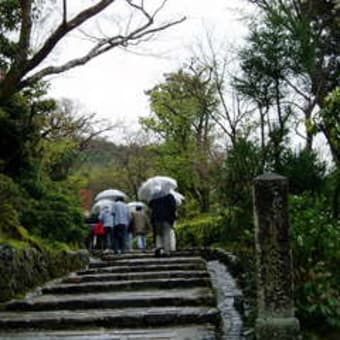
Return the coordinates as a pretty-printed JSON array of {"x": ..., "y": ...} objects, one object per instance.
[{"x": 24, "y": 269}]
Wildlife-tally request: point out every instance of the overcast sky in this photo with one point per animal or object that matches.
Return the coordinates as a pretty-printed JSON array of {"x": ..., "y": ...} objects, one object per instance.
[{"x": 113, "y": 85}]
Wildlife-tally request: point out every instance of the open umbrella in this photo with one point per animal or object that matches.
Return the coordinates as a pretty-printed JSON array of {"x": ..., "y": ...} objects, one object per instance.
[
  {"x": 102, "y": 204},
  {"x": 157, "y": 186},
  {"x": 111, "y": 194},
  {"x": 133, "y": 205},
  {"x": 179, "y": 198}
]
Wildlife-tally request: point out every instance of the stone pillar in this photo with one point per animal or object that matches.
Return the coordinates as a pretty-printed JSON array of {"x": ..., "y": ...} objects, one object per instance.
[{"x": 275, "y": 304}]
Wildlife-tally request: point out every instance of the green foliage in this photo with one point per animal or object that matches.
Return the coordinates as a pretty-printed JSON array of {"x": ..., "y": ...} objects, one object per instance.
[
  {"x": 177, "y": 164},
  {"x": 182, "y": 117},
  {"x": 10, "y": 192},
  {"x": 316, "y": 252},
  {"x": 56, "y": 216},
  {"x": 264, "y": 62},
  {"x": 292, "y": 52},
  {"x": 242, "y": 165},
  {"x": 332, "y": 112},
  {"x": 124, "y": 167},
  {"x": 179, "y": 103},
  {"x": 14, "y": 152},
  {"x": 231, "y": 227},
  {"x": 34, "y": 152},
  {"x": 328, "y": 121},
  {"x": 99, "y": 153},
  {"x": 304, "y": 171},
  {"x": 9, "y": 21},
  {"x": 11, "y": 200},
  {"x": 332, "y": 191},
  {"x": 202, "y": 231},
  {"x": 238, "y": 226}
]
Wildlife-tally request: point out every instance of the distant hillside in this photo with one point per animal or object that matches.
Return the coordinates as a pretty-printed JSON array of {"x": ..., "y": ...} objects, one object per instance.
[{"x": 100, "y": 152}]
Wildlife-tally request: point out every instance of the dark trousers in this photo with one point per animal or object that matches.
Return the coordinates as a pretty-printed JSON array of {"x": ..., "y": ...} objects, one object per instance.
[
  {"x": 109, "y": 237},
  {"x": 119, "y": 237}
]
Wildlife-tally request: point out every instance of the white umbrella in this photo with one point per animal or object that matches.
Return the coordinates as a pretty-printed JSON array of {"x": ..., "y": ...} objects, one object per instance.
[
  {"x": 178, "y": 197},
  {"x": 157, "y": 186},
  {"x": 111, "y": 194},
  {"x": 133, "y": 205},
  {"x": 102, "y": 204}
]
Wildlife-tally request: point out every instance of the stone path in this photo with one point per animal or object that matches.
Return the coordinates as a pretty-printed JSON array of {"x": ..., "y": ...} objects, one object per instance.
[{"x": 133, "y": 296}]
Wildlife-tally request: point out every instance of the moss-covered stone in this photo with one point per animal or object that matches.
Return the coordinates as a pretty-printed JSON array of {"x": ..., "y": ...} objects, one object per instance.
[
  {"x": 24, "y": 269},
  {"x": 275, "y": 303},
  {"x": 277, "y": 328}
]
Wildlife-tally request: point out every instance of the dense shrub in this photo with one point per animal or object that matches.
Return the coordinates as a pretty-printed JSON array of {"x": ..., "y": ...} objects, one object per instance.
[
  {"x": 56, "y": 217},
  {"x": 10, "y": 192},
  {"x": 243, "y": 164},
  {"x": 202, "y": 231},
  {"x": 11, "y": 199},
  {"x": 304, "y": 170},
  {"x": 231, "y": 228},
  {"x": 316, "y": 250},
  {"x": 237, "y": 227}
]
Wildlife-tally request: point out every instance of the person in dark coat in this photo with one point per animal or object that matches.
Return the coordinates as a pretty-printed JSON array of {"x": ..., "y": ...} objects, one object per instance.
[{"x": 163, "y": 215}]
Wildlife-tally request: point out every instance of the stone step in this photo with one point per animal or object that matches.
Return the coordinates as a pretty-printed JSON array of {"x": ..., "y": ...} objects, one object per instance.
[
  {"x": 88, "y": 287},
  {"x": 146, "y": 254},
  {"x": 136, "y": 276},
  {"x": 129, "y": 255},
  {"x": 199, "y": 332},
  {"x": 109, "y": 318},
  {"x": 145, "y": 298},
  {"x": 152, "y": 267},
  {"x": 133, "y": 262}
]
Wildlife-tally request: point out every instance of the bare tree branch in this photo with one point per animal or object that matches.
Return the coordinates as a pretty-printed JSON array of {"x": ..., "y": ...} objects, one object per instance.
[
  {"x": 22, "y": 74},
  {"x": 65, "y": 122},
  {"x": 296, "y": 89},
  {"x": 102, "y": 47},
  {"x": 64, "y": 12},
  {"x": 63, "y": 29}
]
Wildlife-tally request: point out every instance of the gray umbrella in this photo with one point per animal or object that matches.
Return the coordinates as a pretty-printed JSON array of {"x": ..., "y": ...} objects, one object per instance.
[
  {"x": 111, "y": 194},
  {"x": 157, "y": 186}
]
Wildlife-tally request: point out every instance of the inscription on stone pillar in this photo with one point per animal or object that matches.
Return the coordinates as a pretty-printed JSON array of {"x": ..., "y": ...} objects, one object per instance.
[{"x": 275, "y": 304}]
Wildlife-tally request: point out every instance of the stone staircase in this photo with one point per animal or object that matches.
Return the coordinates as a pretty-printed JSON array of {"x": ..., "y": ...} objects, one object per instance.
[{"x": 132, "y": 296}]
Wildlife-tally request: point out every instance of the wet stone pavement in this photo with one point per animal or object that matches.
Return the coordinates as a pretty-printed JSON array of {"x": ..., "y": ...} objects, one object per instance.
[
  {"x": 134, "y": 296},
  {"x": 227, "y": 292}
]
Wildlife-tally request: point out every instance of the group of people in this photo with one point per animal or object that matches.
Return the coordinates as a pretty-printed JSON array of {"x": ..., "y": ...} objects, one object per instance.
[{"x": 116, "y": 225}]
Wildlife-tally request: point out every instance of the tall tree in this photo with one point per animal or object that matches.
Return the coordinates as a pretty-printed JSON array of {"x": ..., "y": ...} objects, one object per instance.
[
  {"x": 263, "y": 64},
  {"x": 232, "y": 114},
  {"x": 182, "y": 108},
  {"x": 312, "y": 32}
]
